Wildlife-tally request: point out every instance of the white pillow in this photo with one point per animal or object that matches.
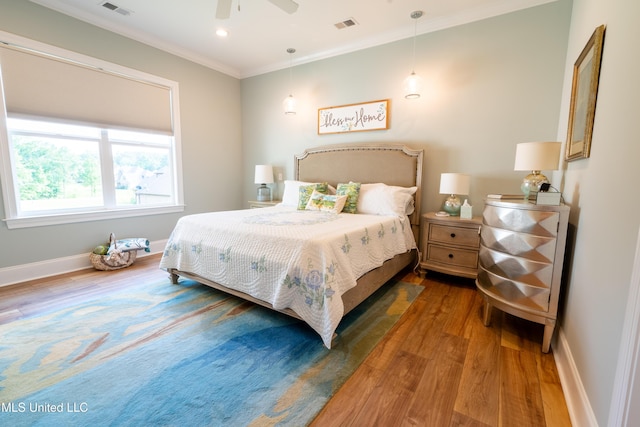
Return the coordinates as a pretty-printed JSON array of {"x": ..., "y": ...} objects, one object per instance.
[{"x": 382, "y": 199}]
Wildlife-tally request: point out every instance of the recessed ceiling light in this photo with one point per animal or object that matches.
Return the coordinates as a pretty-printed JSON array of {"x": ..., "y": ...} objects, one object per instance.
[{"x": 221, "y": 32}]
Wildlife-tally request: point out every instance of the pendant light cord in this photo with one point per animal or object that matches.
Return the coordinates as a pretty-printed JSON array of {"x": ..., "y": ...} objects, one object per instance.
[
  {"x": 415, "y": 34},
  {"x": 291, "y": 51},
  {"x": 415, "y": 16}
]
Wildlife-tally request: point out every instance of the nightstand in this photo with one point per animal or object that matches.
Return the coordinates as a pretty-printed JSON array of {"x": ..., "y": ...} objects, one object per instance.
[
  {"x": 450, "y": 245},
  {"x": 253, "y": 204}
]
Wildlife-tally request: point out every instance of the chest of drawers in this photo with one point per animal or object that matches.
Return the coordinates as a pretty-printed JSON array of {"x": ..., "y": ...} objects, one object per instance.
[{"x": 521, "y": 258}]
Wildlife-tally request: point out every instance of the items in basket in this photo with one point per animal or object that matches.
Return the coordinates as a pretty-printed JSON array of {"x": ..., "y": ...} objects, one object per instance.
[{"x": 117, "y": 254}]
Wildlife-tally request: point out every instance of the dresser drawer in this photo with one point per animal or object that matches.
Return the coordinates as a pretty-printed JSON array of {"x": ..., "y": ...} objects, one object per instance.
[
  {"x": 537, "y": 222},
  {"x": 529, "y": 246},
  {"x": 452, "y": 256},
  {"x": 537, "y": 274},
  {"x": 519, "y": 295},
  {"x": 452, "y": 235}
]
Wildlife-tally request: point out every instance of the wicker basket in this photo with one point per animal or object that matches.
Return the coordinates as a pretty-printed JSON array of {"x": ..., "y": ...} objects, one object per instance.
[{"x": 115, "y": 260}]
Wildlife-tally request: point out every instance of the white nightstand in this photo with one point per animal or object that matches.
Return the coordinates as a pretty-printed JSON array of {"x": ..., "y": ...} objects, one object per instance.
[{"x": 253, "y": 204}]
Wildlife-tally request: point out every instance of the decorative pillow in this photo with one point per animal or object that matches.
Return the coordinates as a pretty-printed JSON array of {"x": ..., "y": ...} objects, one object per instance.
[
  {"x": 382, "y": 199},
  {"x": 351, "y": 190},
  {"x": 305, "y": 191},
  {"x": 326, "y": 202}
]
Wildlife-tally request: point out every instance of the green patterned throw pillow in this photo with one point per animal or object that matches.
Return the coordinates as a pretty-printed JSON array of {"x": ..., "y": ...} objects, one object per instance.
[
  {"x": 305, "y": 191},
  {"x": 351, "y": 190}
]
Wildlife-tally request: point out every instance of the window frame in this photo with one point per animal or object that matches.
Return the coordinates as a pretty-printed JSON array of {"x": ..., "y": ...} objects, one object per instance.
[{"x": 7, "y": 180}]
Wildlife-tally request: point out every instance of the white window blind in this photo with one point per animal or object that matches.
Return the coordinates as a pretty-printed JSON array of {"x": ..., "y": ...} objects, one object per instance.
[{"x": 37, "y": 84}]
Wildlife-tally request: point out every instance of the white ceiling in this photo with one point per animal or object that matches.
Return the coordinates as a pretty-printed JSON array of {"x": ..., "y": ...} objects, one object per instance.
[{"x": 260, "y": 33}]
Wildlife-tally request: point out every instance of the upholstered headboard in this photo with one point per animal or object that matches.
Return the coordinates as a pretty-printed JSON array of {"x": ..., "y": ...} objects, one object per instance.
[{"x": 365, "y": 163}]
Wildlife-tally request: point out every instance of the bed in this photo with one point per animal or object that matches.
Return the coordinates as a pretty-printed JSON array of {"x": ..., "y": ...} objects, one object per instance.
[{"x": 301, "y": 258}]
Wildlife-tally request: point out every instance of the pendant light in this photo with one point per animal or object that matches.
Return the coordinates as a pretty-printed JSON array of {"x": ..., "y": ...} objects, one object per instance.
[
  {"x": 413, "y": 83},
  {"x": 289, "y": 103}
]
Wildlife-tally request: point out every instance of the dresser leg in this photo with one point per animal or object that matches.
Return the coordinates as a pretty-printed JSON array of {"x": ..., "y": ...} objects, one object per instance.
[
  {"x": 549, "y": 327},
  {"x": 486, "y": 313}
]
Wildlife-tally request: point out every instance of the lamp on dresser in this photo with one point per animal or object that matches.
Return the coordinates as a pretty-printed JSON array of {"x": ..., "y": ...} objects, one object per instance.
[
  {"x": 454, "y": 184},
  {"x": 263, "y": 176},
  {"x": 534, "y": 157}
]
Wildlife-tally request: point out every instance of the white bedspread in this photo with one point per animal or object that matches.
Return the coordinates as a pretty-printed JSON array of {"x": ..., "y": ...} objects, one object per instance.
[{"x": 302, "y": 260}]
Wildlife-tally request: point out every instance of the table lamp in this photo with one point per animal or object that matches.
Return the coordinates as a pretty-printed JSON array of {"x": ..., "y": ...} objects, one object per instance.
[
  {"x": 264, "y": 176},
  {"x": 534, "y": 157},
  {"x": 454, "y": 184}
]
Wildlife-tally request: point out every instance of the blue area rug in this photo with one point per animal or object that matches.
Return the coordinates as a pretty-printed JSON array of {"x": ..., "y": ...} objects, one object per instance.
[{"x": 188, "y": 355}]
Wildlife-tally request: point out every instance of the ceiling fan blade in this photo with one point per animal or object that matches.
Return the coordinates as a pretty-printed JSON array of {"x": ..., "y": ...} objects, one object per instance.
[
  {"x": 288, "y": 6},
  {"x": 223, "y": 11}
]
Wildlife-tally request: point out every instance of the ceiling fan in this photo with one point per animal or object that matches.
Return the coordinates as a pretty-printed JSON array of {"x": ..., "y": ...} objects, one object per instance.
[{"x": 223, "y": 11}]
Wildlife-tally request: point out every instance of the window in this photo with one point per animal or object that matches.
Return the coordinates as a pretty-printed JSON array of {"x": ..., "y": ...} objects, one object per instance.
[
  {"x": 62, "y": 168},
  {"x": 104, "y": 148}
]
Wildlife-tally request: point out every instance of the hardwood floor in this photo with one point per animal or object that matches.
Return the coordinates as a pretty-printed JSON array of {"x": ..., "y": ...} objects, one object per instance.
[
  {"x": 32, "y": 297},
  {"x": 439, "y": 366}
]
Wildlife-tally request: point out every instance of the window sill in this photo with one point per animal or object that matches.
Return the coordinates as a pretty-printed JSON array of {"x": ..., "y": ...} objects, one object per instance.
[{"x": 40, "y": 221}]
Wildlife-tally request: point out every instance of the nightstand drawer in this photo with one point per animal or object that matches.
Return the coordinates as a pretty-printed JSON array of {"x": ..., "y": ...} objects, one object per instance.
[
  {"x": 452, "y": 256},
  {"x": 454, "y": 235}
]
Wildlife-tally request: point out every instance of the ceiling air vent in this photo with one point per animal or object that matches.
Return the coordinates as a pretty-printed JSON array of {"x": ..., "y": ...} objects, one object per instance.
[
  {"x": 115, "y": 8},
  {"x": 346, "y": 23}
]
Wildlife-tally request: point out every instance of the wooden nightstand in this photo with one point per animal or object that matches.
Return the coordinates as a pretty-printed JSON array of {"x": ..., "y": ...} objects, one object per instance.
[
  {"x": 450, "y": 245},
  {"x": 253, "y": 204}
]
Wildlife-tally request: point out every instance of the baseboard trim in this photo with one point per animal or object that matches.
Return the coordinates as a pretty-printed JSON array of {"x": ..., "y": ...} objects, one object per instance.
[
  {"x": 578, "y": 405},
  {"x": 53, "y": 267}
]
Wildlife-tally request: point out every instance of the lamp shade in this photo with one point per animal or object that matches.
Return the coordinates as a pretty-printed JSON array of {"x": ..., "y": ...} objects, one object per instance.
[
  {"x": 264, "y": 174},
  {"x": 455, "y": 183},
  {"x": 412, "y": 86},
  {"x": 289, "y": 105},
  {"x": 537, "y": 156}
]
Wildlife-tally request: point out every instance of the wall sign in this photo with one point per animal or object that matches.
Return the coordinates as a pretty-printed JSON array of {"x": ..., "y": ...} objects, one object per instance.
[{"x": 372, "y": 115}]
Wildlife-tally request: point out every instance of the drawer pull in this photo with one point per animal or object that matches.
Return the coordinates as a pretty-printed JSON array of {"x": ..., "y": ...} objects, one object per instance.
[{"x": 453, "y": 235}]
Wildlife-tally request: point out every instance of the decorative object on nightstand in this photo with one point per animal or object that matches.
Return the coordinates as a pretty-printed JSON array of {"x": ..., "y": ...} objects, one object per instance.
[
  {"x": 466, "y": 210},
  {"x": 521, "y": 256},
  {"x": 534, "y": 157},
  {"x": 450, "y": 245},
  {"x": 454, "y": 184},
  {"x": 264, "y": 176}
]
